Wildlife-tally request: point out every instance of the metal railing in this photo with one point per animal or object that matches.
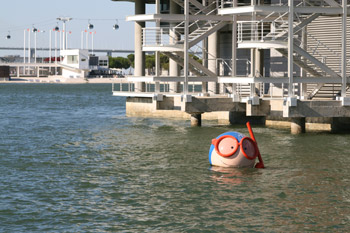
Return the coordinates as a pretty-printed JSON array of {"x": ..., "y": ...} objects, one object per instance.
[
  {"x": 230, "y": 3},
  {"x": 123, "y": 86}
]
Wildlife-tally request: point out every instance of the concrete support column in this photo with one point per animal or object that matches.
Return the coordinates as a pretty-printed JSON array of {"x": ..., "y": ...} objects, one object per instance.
[
  {"x": 297, "y": 125},
  {"x": 259, "y": 63},
  {"x": 174, "y": 68},
  {"x": 252, "y": 70},
  {"x": 259, "y": 67},
  {"x": 17, "y": 71},
  {"x": 340, "y": 125},
  {"x": 212, "y": 63},
  {"x": 196, "y": 119},
  {"x": 140, "y": 8}
]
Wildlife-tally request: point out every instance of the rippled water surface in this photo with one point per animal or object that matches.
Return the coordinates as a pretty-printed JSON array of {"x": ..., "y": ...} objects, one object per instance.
[{"x": 71, "y": 161}]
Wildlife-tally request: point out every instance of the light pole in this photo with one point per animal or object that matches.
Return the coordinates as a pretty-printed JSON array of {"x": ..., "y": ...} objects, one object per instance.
[
  {"x": 24, "y": 52},
  {"x": 29, "y": 51},
  {"x": 64, "y": 20},
  {"x": 56, "y": 29},
  {"x": 35, "y": 31}
]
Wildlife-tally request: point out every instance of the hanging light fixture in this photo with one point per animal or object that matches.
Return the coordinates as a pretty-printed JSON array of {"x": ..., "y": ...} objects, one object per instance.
[
  {"x": 56, "y": 28},
  {"x": 8, "y": 36},
  {"x": 116, "y": 26},
  {"x": 90, "y": 26}
]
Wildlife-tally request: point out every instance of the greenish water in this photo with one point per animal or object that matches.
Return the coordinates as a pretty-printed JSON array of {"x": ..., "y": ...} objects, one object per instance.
[{"x": 71, "y": 161}]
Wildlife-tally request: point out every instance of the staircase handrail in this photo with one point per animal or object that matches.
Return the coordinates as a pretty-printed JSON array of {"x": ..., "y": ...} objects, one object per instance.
[
  {"x": 196, "y": 22},
  {"x": 227, "y": 4},
  {"x": 314, "y": 50},
  {"x": 158, "y": 36}
]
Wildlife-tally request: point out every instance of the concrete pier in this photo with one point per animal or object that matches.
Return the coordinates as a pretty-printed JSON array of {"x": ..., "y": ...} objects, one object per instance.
[
  {"x": 297, "y": 125},
  {"x": 196, "y": 119},
  {"x": 140, "y": 7},
  {"x": 307, "y": 116}
]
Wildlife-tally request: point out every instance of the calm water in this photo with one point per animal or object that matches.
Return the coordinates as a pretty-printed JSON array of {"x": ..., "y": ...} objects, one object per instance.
[{"x": 71, "y": 161}]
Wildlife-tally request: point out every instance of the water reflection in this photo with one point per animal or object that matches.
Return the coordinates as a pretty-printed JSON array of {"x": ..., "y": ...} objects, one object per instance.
[{"x": 226, "y": 175}]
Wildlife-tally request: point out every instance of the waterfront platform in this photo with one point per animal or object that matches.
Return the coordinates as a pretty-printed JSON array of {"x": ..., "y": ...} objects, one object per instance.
[
  {"x": 305, "y": 115},
  {"x": 59, "y": 79}
]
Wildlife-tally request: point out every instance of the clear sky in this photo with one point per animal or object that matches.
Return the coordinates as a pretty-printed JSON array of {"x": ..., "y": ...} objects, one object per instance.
[{"x": 18, "y": 15}]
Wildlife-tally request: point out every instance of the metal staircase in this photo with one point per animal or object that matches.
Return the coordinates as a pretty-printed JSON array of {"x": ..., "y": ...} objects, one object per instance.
[
  {"x": 313, "y": 65},
  {"x": 170, "y": 41},
  {"x": 194, "y": 6},
  {"x": 172, "y": 38},
  {"x": 194, "y": 66}
]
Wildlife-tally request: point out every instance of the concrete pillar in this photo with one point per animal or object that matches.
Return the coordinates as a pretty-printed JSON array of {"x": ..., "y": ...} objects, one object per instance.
[
  {"x": 240, "y": 118},
  {"x": 297, "y": 125},
  {"x": 196, "y": 119},
  {"x": 140, "y": 8},
  {"x": 259, "y": 67},
  {"x": 252, "y": 70},
  {"x": 340, "y": 125},
  {"x": 212, "y": 64},
  {"x": 17, "y": 71},
  {"x": 174, "y": 68},
  {"x": 259, "y": 62}
]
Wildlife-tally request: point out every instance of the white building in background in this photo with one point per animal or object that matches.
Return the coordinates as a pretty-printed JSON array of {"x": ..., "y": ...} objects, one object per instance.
[
  {"x": 249, "y": 48},
  {"x": 75, "y": 63}
]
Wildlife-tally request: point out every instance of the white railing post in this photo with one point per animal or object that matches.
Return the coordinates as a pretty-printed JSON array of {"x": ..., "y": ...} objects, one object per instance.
[
  {"x": 343, "y": 65},
  {"x": 186, "y": 47},
  {"x": 290, "y": 47}
]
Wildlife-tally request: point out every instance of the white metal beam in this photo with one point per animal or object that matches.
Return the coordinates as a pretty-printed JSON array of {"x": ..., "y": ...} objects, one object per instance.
[
  {"x": 279, "y": 9},
  {"x": 186, "y": 46},
  {"x": 152, "y": 79},
  {"x": 279, "y": 80},
  {"x": 344, "y": 47},
  {"x": 290, "y": 48},
  {"x": 176, "y": 17}
]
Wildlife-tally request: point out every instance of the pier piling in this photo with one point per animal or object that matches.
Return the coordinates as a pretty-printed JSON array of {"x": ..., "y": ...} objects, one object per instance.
[
  {"x": 196, "y": 119},
  {"x": 297, "y": 125}
]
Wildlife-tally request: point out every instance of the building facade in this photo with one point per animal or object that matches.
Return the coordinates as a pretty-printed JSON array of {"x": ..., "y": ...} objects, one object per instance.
[{"x": 249, "y": 50}]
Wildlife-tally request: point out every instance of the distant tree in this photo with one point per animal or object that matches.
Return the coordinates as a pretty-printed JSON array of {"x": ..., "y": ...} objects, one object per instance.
[
  {"x": 150, "y": 63},
  {"x": 119, "y": 62},
  {"x": 131, "y": 58},
  {"x": 164, "y": 62}
]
